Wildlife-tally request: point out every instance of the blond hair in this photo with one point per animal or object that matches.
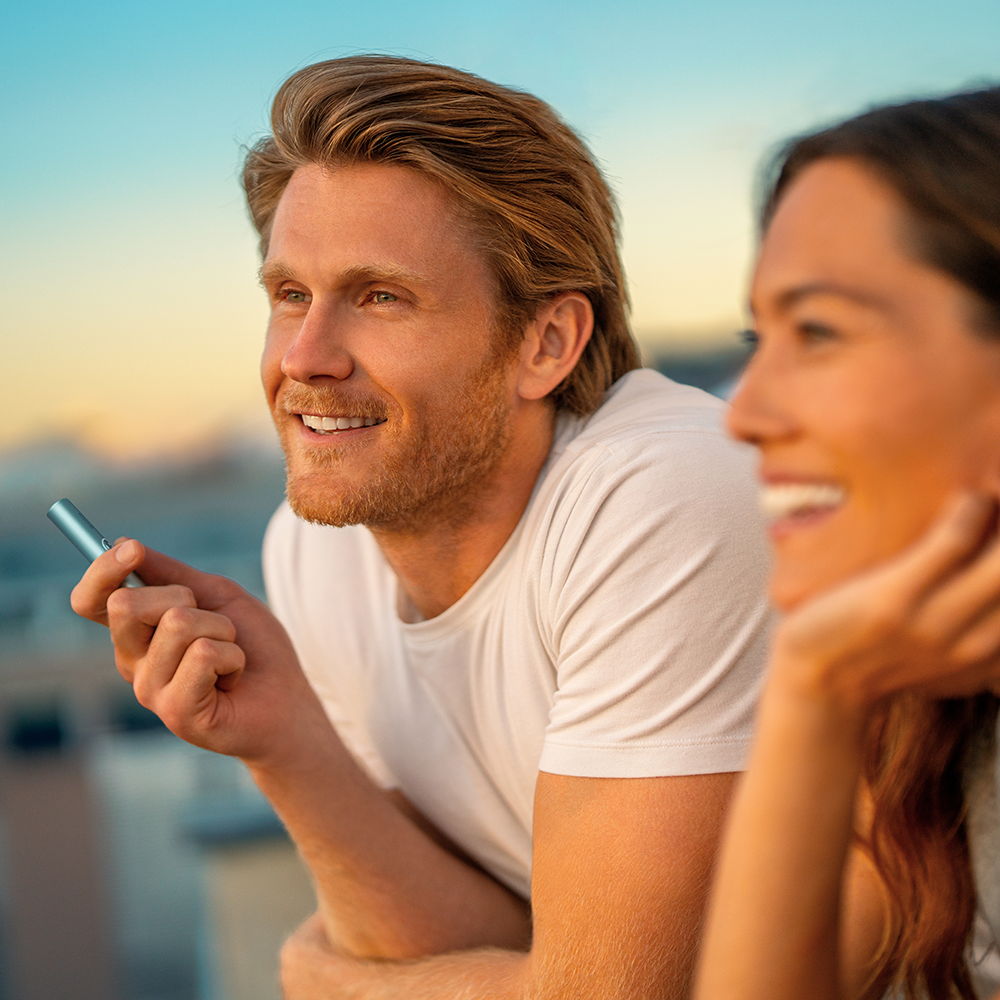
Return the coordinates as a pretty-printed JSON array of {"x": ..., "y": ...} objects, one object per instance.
[{"x": 542, "y": 213}]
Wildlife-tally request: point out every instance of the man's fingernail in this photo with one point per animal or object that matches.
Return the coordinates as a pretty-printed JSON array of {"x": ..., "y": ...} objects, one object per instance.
[{"x": 126, "y": 552}]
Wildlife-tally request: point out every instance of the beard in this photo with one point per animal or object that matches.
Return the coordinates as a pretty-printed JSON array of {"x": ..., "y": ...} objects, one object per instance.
[{"x": 435, "y": 470}]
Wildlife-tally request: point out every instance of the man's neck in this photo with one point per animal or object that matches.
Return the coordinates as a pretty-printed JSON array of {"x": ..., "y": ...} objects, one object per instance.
[{"x": 437, "y": 562}]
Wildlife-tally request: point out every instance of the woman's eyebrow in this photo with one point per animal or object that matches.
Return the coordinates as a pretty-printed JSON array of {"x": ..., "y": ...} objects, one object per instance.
[{"x": 793, "y": 296}]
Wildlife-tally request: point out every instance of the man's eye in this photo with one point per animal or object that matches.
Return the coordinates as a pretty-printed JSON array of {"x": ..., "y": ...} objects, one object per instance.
[
  {"x": 290, "y": 295},
  {"x": 383, "y": 297}
]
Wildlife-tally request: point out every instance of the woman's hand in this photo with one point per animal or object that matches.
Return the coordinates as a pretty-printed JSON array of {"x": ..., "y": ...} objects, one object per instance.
[{"x": 927, "y": 620}]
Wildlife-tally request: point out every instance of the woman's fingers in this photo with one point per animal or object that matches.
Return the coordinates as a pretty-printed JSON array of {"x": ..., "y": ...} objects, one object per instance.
[
  {"x": 899, "y": 624},
  {"x": 954, "y": 608},
  {"x": 980, "y": 642},
  {"x": 933, "y": 560}
]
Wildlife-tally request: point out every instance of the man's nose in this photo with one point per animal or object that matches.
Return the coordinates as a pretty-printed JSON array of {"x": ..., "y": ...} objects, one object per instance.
[
  {"x": 318, "y": 350},
  {"x": 759, "y": 409}
]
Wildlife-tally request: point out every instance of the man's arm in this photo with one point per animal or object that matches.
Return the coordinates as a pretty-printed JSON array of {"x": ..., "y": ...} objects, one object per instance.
[
  {"x": 389, "y": 885},
  {"x": 621, "y": 865},
  {"x": 219, "y": 670},
  {"x": 621, "y": 872}
]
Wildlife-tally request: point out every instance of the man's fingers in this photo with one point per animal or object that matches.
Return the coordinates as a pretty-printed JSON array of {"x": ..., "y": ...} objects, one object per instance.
[
  {"x": 190, "y": 702},
  {"x": 103, "y": 577},
  {"x": 134, "y": 615},
  {"x": 210, "y": 591},
  {"x": 178, "y": 629}
]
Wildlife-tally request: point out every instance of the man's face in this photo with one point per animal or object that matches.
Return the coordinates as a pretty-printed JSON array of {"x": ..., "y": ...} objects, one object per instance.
[{"x": 381, "y": 365}]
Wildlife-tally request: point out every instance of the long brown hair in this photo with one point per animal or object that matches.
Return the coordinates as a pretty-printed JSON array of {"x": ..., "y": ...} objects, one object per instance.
[
  {"x": 542, "y": 213},
  {"x": 942, "y": 157}
]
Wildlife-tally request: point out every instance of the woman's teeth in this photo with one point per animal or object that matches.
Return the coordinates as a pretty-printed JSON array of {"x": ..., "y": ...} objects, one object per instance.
[
  {"x": 780, "y": 500},
  {"x": 324, "y": 425}
]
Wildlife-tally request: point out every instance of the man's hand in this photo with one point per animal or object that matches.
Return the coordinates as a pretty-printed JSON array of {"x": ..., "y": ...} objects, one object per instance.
[
  {"x": 219, "y": 669},
  {"x": 208, "y": 658},
  {"x": 310, "y": 969}
]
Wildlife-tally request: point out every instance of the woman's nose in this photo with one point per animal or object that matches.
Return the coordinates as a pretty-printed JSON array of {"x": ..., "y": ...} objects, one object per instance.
[{"x": 759, "y": 409}]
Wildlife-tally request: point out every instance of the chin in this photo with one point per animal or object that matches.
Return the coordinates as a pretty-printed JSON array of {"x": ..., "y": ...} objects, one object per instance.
[{"x": 319, "y": 504}]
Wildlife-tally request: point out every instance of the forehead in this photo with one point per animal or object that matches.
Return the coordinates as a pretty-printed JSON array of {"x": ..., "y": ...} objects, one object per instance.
[
  {"x": 378, "y": 214},
  {"x": 837, "y": 223}
]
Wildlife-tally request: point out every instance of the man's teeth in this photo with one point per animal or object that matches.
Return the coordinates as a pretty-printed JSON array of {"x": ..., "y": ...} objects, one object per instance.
[
  {"x": 788, "y": 499},
  {"x": 327, "y": 424}
]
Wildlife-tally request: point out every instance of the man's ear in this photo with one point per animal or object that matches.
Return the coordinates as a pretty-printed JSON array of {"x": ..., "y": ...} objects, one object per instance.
[{"x": 553, "y": 343}]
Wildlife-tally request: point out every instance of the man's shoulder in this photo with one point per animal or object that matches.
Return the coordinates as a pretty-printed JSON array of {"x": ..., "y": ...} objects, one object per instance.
[
  {"x": 644, "y": 404},
  {"x": 649, "y": 421}
]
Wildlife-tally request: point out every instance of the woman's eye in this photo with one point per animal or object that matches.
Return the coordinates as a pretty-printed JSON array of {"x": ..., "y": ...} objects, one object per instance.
[
  {"x": 816, "y": 332},
  {"x": 383, "y": 297},
  {"x": 749, "y": 337}
]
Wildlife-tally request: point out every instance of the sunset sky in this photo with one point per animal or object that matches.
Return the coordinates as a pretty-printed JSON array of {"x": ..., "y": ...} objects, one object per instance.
[{"x": 132, "y": 318}]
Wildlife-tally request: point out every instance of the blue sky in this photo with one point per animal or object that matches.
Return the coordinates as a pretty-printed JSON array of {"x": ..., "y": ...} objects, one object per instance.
[{"x": 133, "y": 320}]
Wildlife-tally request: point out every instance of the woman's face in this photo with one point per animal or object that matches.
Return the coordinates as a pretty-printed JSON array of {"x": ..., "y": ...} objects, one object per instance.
[{"x": 870, "y": 396}]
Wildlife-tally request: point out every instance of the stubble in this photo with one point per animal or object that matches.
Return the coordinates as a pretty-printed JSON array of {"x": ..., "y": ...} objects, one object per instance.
[{"x": 436, "y": 471}]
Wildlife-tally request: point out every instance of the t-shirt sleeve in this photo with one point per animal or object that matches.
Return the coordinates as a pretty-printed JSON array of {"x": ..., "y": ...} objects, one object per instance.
[
  {"x": 295, "y": 595},
  {"x": 652, "y": 594}
]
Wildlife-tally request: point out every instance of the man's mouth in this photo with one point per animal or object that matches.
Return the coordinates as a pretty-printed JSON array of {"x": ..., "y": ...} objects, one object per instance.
[
  {"x": 333, "y": 425},
  {"x": 780, "y": 501}
]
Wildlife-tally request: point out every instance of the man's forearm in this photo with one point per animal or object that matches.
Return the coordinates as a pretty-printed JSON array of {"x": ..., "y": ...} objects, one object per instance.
[
  {"x": 385, "y": 888},
  {"x": 311, "y": 970}
]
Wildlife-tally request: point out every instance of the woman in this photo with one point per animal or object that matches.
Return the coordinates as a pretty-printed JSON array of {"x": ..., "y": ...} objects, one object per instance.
[{"x": 874, "y": 400}]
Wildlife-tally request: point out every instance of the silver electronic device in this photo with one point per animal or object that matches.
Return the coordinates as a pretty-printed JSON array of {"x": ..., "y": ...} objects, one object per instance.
[{"x": 83, "y": 535}]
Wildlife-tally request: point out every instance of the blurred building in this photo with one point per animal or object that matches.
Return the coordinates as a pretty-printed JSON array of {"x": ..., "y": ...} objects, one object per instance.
[{"x": 132, "y": 866}]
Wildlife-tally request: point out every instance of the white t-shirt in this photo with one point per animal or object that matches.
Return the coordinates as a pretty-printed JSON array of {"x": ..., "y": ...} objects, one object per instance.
[{"x": 620, "y": 632}]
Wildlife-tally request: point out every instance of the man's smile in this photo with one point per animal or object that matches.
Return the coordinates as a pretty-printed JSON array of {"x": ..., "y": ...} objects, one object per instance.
[{"x": 334, "y": 424}]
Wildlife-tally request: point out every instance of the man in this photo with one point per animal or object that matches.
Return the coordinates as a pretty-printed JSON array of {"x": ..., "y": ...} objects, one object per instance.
[{"x": 522, "y": 577}]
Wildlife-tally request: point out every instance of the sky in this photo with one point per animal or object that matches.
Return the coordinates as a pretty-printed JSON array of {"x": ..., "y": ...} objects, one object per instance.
[{"x": 132, "y": 320}]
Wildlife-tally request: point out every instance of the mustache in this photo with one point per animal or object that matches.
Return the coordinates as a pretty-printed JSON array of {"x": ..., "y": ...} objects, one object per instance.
[{"x": 298, "y": 398}]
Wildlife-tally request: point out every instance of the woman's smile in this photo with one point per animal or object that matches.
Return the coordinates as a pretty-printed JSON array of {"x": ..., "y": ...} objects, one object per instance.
[{"x": 871, "y": 397}]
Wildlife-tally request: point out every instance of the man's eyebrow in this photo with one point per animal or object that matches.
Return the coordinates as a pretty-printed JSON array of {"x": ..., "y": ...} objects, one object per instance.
[
  {"x": 273, "y": 270},
  {"x": 276, "y": 270}
]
